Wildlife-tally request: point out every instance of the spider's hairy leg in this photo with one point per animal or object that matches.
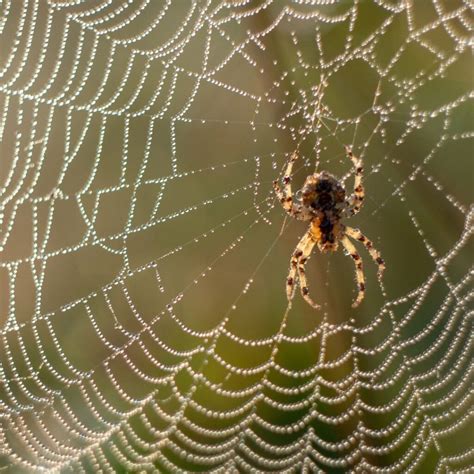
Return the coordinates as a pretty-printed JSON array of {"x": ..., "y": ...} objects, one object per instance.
[
  {"x": 351, "y": 250},
  {"x": 299, "y": 257},
  {"x": 302, "y": 274},
  {"x": 374, "y": 253},
  {"x": 286, "y": 196},
  {"x": 291, "y": 279},
  {"x": 359, "y": 193},
  {"x": 288, "y": 172}
]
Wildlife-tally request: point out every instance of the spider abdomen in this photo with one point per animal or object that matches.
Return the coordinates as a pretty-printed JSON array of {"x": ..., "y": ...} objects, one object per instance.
[
  {"x": 322, "y": 192},
  {"x": 324, "y": 201}
]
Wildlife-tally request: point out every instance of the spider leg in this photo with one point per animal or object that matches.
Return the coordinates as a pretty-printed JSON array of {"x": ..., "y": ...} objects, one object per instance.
[
  {"x": 298, "y": 260},
  {"x": 359, "y": 271},
  {"x": 291, "y": 280},
  {"x": 288, "y": 174},
  {"x": 302, "y": 274},
  {"x": 285, "y": 196},
  {"x": 355, "y": 203},
  {"x": 374, "y": 253}
]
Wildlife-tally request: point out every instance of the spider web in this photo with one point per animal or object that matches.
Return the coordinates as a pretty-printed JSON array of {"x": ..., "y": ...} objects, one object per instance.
[{"x": 143, "y": 254}]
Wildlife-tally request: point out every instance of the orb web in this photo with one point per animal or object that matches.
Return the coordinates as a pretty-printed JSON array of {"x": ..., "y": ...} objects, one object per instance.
[{"x": 143, "y": 255}]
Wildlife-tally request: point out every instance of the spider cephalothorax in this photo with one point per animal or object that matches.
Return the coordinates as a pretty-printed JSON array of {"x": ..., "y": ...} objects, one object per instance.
[{"x": 324, "y": 203}]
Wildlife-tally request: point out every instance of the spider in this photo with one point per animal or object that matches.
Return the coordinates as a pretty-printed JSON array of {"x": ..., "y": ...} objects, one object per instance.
[{"x": 323, "y": 202}]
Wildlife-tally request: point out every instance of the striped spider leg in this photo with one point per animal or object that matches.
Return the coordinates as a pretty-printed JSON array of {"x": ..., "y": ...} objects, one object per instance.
[{"x": 356, "y": 201}]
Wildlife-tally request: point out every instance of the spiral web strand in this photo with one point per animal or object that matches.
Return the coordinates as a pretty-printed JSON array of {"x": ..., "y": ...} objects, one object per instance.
[{"x": 144, "y": 324}]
